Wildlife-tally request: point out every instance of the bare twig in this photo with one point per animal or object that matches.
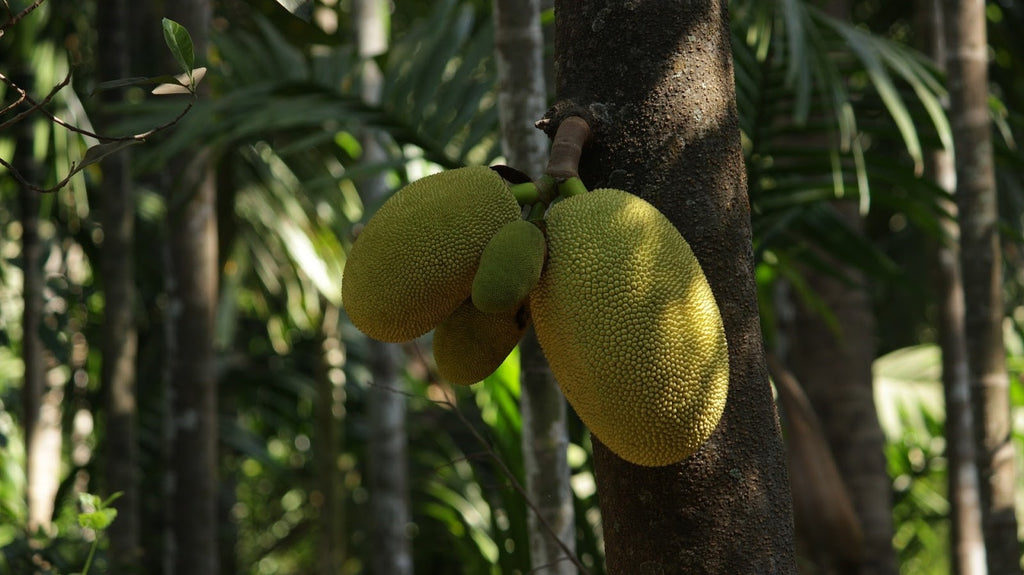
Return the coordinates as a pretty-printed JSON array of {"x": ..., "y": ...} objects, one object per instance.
[
  {"x": 24, "y": 97},
  {"x": 17, "y": 17}
]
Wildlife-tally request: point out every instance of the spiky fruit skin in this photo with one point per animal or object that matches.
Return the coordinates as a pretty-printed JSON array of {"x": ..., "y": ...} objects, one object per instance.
[
  {"x": 470, "y": 344},
  {"x": 414, "y": 261},
  {"x": 509, "y": 267},
  {"x": 630, "y": 327}
]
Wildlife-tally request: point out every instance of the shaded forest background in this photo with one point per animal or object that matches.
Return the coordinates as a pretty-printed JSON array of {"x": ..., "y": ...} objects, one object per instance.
[{"x": 838, "y": 112}]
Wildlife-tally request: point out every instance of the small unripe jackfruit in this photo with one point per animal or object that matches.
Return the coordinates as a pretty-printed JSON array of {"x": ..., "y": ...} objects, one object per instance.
[
  {"x": 414, "y": 261},
  {"x": 509, "y": 267},
  {"x": 630, "y": 327},
  {"x": 470, "y": 344}
]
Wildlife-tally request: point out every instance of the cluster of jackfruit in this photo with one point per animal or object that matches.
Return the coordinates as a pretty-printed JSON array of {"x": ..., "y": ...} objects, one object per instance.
[{"x": 620, "y": 305}]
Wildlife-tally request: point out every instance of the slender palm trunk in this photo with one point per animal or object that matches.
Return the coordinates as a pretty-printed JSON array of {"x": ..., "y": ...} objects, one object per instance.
[
  {"x": 119, "y": 344},
  {"x": 967, "y": 540},
  {"x": 522, "y": 100},
  {"x": 388, "y": 474},
  {"x": 655, "y": 82},
  {"x": 330, "y": 408},
  {"x": 40, "y": 401},
  {"x": 981, "y": 262},
  {"x": 192, "y": 284}
]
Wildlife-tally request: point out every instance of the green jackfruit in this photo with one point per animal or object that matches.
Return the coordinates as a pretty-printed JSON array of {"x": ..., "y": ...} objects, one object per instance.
[
  {"x": 470, "y": 344},
  {"x": 509, "y": 267},
  {"x": 630, "y": 327},
  {"x": 414, "y": 261}
]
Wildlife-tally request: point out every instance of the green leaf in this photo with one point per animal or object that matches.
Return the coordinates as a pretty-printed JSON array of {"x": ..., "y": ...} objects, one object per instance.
[
  {"x": 97, "y": 520},
  {"x": 180, "y": 43}
]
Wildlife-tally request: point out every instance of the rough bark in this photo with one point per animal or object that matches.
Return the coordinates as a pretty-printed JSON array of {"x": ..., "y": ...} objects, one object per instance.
[
  {"x": 981, "y": 265},
  {"x": 192, "y": 284},
  {"x": 388, "y": 477},
  {"x": 119, "y": 338},
  {"x": 833, "y": 362},
  {"x": 967, "y": 546},
  {"x": 522, "y": 100},
  {"x": 655, "y": 80}
]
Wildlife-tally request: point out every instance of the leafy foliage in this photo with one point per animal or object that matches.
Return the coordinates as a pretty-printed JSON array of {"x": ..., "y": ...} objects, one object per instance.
[{"x": 829, "y": 112}]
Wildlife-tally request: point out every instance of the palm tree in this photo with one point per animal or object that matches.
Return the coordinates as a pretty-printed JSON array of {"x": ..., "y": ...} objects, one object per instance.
[{"x": 981, "y": 261}]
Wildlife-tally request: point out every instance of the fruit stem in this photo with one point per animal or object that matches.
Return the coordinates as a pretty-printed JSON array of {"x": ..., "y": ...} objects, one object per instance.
[
  {"x": 567, "y": 147},
  {"x": 526, "y": 193},
  {"x": 537, "y": 212},
  {"x": 572, "y": 187},
  {"x": 547, "y": 189}
]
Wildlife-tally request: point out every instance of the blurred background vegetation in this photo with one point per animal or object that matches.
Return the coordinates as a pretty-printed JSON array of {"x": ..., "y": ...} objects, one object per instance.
[{"x": 284, "y": 118}]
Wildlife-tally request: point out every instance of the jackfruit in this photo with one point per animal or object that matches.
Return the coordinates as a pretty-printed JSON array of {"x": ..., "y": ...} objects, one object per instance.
[
  {"x": 630, "y": 327},
  {"x": 470, "y": 344},
  {"x": 414, "y": 261},
  {"x": 509, "y": 267}
]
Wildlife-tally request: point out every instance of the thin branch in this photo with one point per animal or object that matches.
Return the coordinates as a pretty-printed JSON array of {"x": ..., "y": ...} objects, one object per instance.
[
  {"x": 17, "y": 17},
  {"x": 33, "y": 104},
  {"x": 39, "y": 106},
  {"x": 16, "y": 103}
]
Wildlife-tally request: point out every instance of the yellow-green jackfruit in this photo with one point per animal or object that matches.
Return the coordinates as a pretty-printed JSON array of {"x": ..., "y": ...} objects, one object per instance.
[
  {"x": 414, "y": 261},
  {"x": 509, "y": 267},
  {"x": 630, "y": 327},
  {"x": 470, "y": 344}
]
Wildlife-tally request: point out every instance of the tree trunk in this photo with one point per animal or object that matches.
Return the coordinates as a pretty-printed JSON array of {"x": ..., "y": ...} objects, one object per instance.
[
  {"x": 981, "y": 262},
  {"x": 330, "y": 407},
  {"x": 522, "y": 100},
  {"x": 192, "y": 278},
  {"x": 966, "y": 537},
  {"x": 119, "y": 339},
  {"x": 655, "y": 81},
  {"x": 389, "y": 476},
  {"x": 40, "y": 402},
  {"x": 390, "y": 513},
  {"x": 835, "y": 369}
]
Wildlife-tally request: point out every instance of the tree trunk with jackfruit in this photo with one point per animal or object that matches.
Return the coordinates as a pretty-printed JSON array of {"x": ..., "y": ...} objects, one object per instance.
[{"x": 655, "y": 82}]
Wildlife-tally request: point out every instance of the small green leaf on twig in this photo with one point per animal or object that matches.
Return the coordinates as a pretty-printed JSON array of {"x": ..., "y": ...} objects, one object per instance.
[
  {"x": 100, "y": 517},
  {"x": 180, "y": 43}
]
